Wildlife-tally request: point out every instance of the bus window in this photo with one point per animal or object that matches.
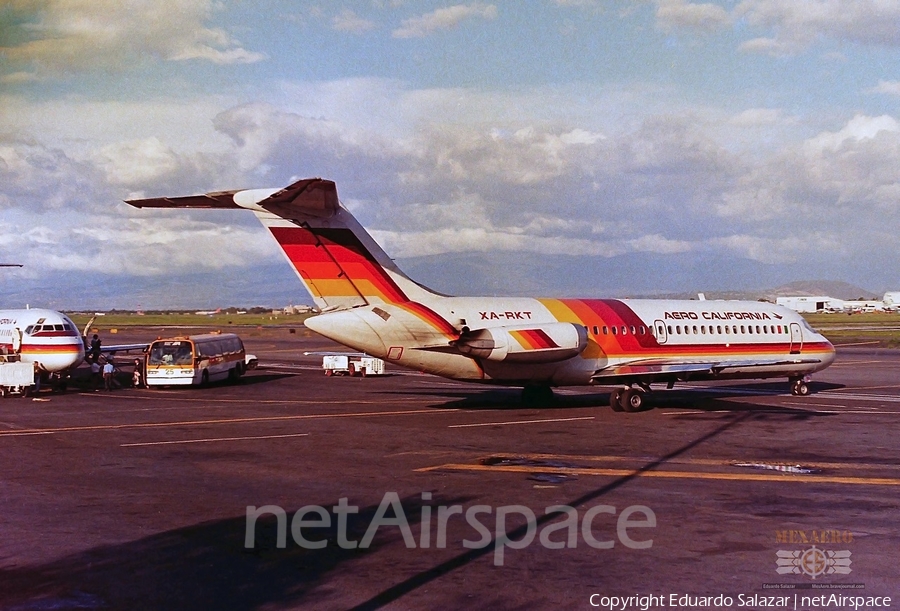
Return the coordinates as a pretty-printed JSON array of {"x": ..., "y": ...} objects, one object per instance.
[{"x": 171, "y": 353}]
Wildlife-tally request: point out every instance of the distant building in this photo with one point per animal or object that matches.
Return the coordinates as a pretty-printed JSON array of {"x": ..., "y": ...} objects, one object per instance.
[
  {"x": 298, "y": 309},
  {"x": 867, "y": 305},
  {"x": 891, "y": 301},
  {"x": 809, "y": 303}
]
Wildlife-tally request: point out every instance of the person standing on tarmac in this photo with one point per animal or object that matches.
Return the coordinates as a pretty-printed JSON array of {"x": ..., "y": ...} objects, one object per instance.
[
  {"x": 109, "y": 376},
  {"x": 136, "y": 380},
  {"x": 96, "y": 375},
  {"x": 95, "y": 348}
]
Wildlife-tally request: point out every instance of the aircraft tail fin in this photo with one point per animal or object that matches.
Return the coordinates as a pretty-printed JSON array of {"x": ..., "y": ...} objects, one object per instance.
[{"x": 336, "y": 259}]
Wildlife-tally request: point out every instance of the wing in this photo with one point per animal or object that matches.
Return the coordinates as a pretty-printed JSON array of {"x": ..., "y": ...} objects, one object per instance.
[
  {"x": 653, "y": 370},
  {"x": 122, "y": 348}
]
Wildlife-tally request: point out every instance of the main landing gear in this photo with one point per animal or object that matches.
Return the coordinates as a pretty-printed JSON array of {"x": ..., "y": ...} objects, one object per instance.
[
  {"x": 799, "y": 387},
  {"x": 627, "y": 399}
]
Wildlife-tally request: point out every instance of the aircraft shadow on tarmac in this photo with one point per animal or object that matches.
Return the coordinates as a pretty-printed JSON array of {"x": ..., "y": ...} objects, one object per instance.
[
  {"x": 85, "y": 382},
  {"x": 709, "y": 399},
  {"x": 204, "y": 566}
]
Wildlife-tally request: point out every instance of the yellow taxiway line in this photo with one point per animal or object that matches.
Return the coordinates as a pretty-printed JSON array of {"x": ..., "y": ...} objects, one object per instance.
[
  {"x": 146, "y": 425},
  {"x": 752, "y": 477},
  {"x": 210, "y": 440}
]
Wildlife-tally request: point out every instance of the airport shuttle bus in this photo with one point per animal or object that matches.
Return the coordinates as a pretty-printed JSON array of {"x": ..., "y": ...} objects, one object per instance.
[{"x": 197, "y": 359}]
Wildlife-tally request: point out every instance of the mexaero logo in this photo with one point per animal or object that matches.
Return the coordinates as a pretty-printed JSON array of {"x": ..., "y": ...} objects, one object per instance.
[
  {"x": 534, "y": 339},
  {"x": 813, "y": 562}
]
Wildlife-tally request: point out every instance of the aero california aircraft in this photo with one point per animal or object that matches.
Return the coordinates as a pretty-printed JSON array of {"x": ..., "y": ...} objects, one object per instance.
[
  {"x": 45, "y": 337},
  {"x": 368, "y": 304}
]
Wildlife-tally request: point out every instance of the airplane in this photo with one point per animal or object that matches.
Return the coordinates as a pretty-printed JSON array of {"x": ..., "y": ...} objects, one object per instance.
[
  {"x": 45, "y": 337},
  {"x": 369, "y": 305}
]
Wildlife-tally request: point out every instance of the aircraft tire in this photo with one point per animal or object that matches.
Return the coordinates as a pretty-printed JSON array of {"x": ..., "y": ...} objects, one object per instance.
[
  {"x": 632, "y": 400},
  {"x": 615, "y": 400},
  {"x": 800, "y": 388}
]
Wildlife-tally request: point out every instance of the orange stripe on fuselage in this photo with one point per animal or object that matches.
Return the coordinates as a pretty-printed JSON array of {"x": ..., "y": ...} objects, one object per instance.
[
  {"x": 534, "y": 339},
  {"x": 49, "y": 349},
  {"x": 431, "y": 317},
  {"x": 612, "y": 313}
]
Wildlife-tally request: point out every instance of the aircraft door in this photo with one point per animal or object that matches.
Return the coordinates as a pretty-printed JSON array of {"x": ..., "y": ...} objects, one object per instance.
[
  {"x": 660, "y": 332},
  {"x": 16, "y": 340},
  {"x": 796, "y": 338}
]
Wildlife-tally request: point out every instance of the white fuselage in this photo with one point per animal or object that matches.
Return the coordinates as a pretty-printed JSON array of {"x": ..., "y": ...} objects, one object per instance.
[
  {"x": 750, "y": 339},
  {"x": 45, "y": 337}
]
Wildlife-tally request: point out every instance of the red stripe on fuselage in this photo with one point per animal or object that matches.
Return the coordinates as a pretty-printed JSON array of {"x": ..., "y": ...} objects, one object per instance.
[
  {"x": 537, "y": 339},
  {"x": 431, "y": 317}
]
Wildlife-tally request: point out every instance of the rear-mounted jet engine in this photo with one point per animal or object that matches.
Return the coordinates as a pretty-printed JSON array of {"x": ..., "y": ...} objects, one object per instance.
[{"x": 547, "y": 343}]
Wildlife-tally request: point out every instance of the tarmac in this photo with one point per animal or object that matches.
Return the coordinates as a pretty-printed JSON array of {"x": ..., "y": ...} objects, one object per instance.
[{"x": 408, "y": 491}]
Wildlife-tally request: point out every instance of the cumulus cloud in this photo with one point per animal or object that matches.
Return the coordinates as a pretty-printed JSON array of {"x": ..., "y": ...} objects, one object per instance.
[
  {"x": 349, "y": 21},
  {"x": 658, "y": 182},
  {"x": 886, "y": 87},
  {"x": 677, "y": 14},
  {"x": 800, "y": 23},
  {"x": 60, "y": 36},
  {"x": 756, "y": 117},
  {"x": 44, "y": 179},
  {"x": 147, "y": 246},
  {"x": 443, "y": 19}
]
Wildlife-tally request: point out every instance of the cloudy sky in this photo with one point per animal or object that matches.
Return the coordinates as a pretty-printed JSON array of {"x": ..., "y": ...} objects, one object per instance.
[{"x": 599, "y": 148}]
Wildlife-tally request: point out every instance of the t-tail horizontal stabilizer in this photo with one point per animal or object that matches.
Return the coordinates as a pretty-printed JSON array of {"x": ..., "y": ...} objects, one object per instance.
[{"x": 338, "y": 261}]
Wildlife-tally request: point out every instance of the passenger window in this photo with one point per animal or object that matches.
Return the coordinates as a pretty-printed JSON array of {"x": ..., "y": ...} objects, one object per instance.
[
  {"x": 614, "y": 331},
  {"x": 695, "y": 329},
  {"x": 624, "y": 330},
  {"x": 632, "y": 330},
  {"x": 596, "y": 330},
  {"x": 669, "y": 328}
]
